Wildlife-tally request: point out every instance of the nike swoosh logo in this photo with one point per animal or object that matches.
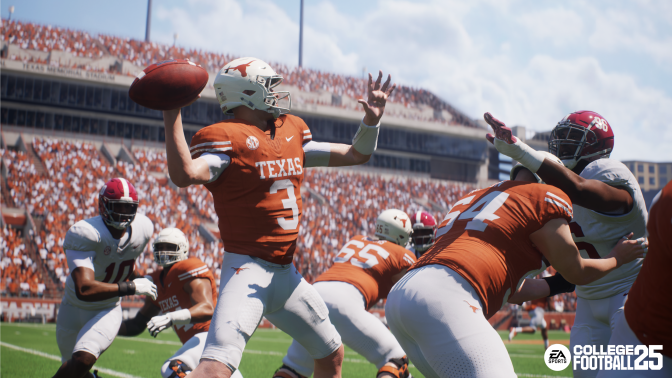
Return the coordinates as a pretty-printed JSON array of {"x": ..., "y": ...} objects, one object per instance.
[{"x": 290, "y": 138}]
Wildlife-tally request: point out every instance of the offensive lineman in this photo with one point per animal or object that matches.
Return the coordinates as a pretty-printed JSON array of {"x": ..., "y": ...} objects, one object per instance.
[
  {"x": 186, "y": 294},
  {"x": 490, "y": 241},
  {"x": 608, "y": 204},
  {"x": 646, "y": 318},
  {"x": 363, "y": 273},
  {"x": 101, "y": 253},
  {"x": 253, "y": 166}
]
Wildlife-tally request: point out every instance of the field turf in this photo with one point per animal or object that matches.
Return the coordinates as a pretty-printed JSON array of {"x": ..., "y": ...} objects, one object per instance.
[{"x": 29, "y": 350}]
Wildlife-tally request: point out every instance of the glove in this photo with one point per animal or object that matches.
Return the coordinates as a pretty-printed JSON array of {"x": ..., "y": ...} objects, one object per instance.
[
  {"x": 161, "y": 322},
  {"x": 509, "y": 145},
  {"x": 143, "y": 286}
]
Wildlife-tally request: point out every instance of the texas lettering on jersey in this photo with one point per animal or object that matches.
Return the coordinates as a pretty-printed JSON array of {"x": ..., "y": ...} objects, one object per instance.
[
  {"x": 369, "y": 266},
  {"x": 485, "y": 237},
  {"x": 258, "y": 196}
]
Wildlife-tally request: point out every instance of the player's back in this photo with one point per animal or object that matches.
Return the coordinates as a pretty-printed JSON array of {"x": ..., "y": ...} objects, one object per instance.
[
  {"x": 171, "y": 295},
  {"x": 596, "y": 234},
  {"x": 113, "y": 259},
  {"x": 257, "y": 197},
  {"x": 648, "y": 308},
  {"x": 485, "y": 237},
  {"x": 369, "y": 266}
]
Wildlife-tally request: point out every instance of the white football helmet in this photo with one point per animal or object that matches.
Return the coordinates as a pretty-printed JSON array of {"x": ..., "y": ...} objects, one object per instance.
[
  {"x": 250, "y": 82},
  {"x": 518, "y": 167},
  {"x": 170, "y": 247},
  {"x": 395, "y": 226}
]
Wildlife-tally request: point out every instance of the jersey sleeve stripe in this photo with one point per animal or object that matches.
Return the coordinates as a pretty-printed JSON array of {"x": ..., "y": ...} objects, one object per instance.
[
  {"x": 306, "y": 131},
  {"x": 193, "y": 273},
  {"x": 201, "y": 150},
  {"x": 206, "y": 144},
  {"x": 558, "y": 204},
  {"x": 307, "y": 137},
  {"x": 557, "y": 198}
]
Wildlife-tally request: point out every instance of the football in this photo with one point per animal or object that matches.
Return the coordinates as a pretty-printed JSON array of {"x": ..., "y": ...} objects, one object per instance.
[{"x": 169, "y": 84}]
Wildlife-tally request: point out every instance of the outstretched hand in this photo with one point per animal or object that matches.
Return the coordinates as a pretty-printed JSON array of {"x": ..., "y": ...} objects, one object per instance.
[
  {"x": 502, "y": 132},
  {"x": 374, "y": 105}
]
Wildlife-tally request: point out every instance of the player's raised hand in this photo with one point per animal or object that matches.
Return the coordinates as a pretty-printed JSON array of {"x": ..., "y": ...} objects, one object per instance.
[
  {"x": 627, "y": 250},
  {"x": 143, "y": 286},
  {"x": 374, "y": 105},
  {"x": 502, "y": 132}
]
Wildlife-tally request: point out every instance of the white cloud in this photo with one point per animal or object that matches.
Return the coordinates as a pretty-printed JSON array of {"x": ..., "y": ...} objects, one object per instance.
[{"x": 478, "y": 65}]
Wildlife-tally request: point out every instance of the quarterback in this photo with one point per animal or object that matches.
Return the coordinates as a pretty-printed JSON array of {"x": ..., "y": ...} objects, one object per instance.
[
  {"x": 363, "y": 273},
  {"x": 253, "y": 165},
  {"x": 490, "y": 241},
  {"x": 608, "y": 204},
  {"x": 101, "y": 253},
  {"x": 186, "y": 297}
]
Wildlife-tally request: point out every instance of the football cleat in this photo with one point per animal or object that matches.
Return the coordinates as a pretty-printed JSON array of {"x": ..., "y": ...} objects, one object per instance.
[
  {"x": 179, "y": 368},
  {"x": 512, "y": 333},
  {"x": 400, "y": 369},
  {"x": 287, "y": 372}
]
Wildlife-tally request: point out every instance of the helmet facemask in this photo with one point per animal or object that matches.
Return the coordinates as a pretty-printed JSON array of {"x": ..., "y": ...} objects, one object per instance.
[
  {"x": 271, "y": 98},
  {"x": 118, "y": 213},
  {"x": 166, "y": 254},
  {"x": 422, "y": 238},
  {"x": 568, "y": 141}
]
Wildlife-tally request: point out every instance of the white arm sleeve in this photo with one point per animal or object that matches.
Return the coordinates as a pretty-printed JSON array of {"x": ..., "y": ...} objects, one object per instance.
[
  {"x": 317, "y": 154},
  {"x": 217, "y": 164},
  {"x": 366, "y": 138},
  {"x": 78, "y": 259}
]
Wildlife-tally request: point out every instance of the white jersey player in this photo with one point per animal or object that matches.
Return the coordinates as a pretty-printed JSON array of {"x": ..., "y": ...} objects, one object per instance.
[
  {"x": 607, "y": 204},
  {"x": 101, "y": 253}
]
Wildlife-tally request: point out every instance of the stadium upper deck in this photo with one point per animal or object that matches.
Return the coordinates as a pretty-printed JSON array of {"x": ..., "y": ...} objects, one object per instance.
[{"x": 60, "y": 80}]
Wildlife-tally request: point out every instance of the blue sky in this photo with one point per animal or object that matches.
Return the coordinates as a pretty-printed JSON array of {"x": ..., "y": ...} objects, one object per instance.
[{"x": 528, "y": 62}]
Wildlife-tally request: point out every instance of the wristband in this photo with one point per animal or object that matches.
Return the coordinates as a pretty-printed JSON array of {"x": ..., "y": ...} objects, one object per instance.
[
  {"x": 181, "y": 316},
  {"x": 366, "y": 138},
  {"x": 126, "y": 288},
  {"x": 558, "y": 284},
  {"x": 522, "y": 153}
]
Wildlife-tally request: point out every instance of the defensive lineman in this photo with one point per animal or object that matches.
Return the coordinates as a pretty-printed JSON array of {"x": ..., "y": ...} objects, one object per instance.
[
  {"x": 186, "y": 297},
  {"x": 363, "y": 273},
  {"x": 608, "y": 204},
  {"x": 253, "y": 166},
  {"x": 101, "y": 253}
]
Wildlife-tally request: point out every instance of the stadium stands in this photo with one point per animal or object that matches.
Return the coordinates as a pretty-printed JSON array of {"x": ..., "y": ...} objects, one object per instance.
[{"x": 44, "y": 38}]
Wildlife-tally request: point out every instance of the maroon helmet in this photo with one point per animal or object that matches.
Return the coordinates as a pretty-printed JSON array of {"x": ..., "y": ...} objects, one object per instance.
[
  {"x": 581, "y": 135},
  {"x": 424, "y": 232},
  {"x": 118, "y": 203}
]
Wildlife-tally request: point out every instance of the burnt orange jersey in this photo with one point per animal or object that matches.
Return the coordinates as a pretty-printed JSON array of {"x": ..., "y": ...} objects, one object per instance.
[
  {"x": 648, "y": 309},
  {"x": 369, "y": 266},
  {"x": 257, "y": 197},
  {"x": 485, "y": 237},
  {"x": 172, "y": 296}
]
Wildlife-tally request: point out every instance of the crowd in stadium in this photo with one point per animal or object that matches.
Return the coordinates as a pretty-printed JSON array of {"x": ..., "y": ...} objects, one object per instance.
[
  {"x": 46, "y": 38},
  {"x": 337, "y": 206}
]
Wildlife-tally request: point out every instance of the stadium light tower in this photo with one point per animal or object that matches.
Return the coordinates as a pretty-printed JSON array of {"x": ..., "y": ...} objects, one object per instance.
[
  {"x": 11, "y": 11},
  {"x": 149, "y": 20},
  {"x": 300, "y": 35}
]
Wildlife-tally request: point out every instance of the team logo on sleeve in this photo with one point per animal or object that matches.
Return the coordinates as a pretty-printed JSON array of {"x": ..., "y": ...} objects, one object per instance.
[
  {"x": 252, "y": 142},
  {"x": 107, "y": 250}
]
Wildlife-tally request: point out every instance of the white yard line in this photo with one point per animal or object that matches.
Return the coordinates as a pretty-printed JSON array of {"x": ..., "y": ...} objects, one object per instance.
[{"x": 57, "y": 358}]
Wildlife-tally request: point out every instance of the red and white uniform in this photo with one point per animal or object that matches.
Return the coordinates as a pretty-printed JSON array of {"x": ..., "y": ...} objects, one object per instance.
[
  {"x": 92, "y": 326},
  {"x": 439, "y": 310},
  {"x": 360, "y": 277},
  {"x": 646, "y": 318},
  {"x": 258, "y": 201}
]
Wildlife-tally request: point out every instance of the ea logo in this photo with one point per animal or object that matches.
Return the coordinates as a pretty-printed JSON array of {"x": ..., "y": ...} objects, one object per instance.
[
  {"x": 107, "y": 250},
  {"x": 557, "y": 357},
  {"x": 252, "y": 142}
]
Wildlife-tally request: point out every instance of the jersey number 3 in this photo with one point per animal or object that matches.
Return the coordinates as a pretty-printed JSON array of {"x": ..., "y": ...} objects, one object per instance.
[{"x": 289, "y": 203}]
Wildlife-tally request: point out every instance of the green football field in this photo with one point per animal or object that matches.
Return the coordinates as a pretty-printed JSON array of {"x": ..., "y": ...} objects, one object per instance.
[{"x": 29, "y": 350}]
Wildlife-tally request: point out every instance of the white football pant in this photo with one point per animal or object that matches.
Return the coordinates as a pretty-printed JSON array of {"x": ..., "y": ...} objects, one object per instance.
[
  {"x": 623, "y": 335},
  {"x": 91, "y": 331},
  {"x": 595, "y": 318},
  {"x": 359, "y": 329},
  {"x": 190, "y": 354},
  {"x": 537, "y": 319},
  {"x": 252, "y": 288},
  {"x": 437, "y": 318}
]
